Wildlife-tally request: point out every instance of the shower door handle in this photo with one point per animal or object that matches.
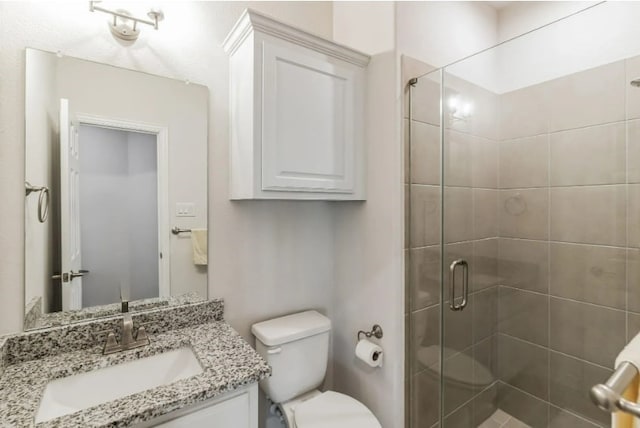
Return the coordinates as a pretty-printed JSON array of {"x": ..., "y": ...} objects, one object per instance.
[{"x": 452, "y": 285}]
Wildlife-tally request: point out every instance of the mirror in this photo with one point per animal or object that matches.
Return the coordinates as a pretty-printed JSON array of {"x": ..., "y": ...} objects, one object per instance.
[{"x": 115, "y": 190}]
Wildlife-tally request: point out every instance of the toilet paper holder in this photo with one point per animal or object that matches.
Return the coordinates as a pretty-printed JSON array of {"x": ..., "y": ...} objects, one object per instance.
[{"x": 376, "y": 331}]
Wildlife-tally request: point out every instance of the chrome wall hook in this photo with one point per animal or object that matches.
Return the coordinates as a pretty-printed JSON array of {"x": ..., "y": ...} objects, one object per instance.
[{"x": 376, "y": 331}]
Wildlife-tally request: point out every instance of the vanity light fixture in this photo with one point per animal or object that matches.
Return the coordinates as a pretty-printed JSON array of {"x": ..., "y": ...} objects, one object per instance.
[{"x": 124, "y": 26}]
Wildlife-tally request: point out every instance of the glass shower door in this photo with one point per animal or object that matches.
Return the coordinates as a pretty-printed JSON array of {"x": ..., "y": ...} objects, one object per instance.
[
  {"x": 453, "y": 252},
  {"x": 424, "y": 250},
  {"x": 469, "y": 247}
]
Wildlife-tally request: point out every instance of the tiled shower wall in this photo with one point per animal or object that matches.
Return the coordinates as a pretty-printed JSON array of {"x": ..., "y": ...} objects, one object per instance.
[
  {"x": 542, "y": 196},
  {"x": 569, "y": 252}
]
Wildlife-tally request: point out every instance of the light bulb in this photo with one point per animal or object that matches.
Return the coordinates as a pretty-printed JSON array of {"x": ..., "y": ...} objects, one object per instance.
[
  {"x": 467, "y": 109},
  {"x": 453, "y": 103}
]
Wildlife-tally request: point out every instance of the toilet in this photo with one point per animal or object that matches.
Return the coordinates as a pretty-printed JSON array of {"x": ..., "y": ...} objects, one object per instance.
[
  {"x": 297, "y": 349},
  {"x": 463, "y": 376}
]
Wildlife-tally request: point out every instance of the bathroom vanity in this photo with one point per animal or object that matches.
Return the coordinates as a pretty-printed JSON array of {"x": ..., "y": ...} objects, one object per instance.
[{"x": 196, "y": 372}]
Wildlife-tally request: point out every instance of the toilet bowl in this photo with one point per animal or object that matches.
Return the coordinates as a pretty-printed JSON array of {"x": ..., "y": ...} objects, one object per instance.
[
  {"x": 327, "y": 409},
  {"x": 297, "y": 349},
  {"x": 462, "y": 372}
]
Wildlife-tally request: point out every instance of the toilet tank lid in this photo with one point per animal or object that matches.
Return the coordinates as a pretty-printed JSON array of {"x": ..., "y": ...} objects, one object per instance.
[{"x": 286, "y": 329}]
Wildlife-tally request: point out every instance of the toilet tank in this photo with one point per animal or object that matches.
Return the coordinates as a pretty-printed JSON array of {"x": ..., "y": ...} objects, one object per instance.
[{"x": 297, "y": 349}]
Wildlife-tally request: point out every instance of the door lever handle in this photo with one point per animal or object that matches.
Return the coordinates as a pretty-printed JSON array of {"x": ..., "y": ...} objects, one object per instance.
[
  {"x": 79, "y": 274},
  {"x": 69, "y": 276}
]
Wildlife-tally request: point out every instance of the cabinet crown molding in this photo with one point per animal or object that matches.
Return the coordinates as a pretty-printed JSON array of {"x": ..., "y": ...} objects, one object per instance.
[{"x": 252, "y": 20}]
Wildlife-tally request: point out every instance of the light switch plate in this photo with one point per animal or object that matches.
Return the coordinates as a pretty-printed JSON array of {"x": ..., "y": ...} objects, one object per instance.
[{"x": 185, "y": 209}]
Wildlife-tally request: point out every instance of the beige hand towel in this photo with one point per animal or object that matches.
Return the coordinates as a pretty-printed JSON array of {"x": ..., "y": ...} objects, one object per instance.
[
  {"x": 199, "y": 244},
  {"x": 623, "y": 419},
  {"x": 630, "y": 353}
]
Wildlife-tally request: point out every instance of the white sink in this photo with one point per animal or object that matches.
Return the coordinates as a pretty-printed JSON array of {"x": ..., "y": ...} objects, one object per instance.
[{"x": 71, "y": 394}]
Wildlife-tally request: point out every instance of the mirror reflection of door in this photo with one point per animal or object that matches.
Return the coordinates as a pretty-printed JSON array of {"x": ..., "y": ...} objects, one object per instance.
[
  {"x": 118, "y": 200},
  {"x": 110, "y": 244},
  {"x": 119, "y": 214}
]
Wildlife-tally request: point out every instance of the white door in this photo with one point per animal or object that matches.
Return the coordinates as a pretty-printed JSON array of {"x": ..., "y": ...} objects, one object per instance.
[{"x": 72, "y": 272}]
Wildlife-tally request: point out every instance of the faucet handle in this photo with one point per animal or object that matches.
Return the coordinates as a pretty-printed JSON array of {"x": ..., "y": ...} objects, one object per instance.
[
  {"x": 142, "y": 335},
  {"x": 111, "y": 345},
  {"x": 98, "y": 334}
]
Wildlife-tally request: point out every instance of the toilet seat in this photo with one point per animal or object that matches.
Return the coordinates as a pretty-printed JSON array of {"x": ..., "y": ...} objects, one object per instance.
[{"x": 334, "y": 410}]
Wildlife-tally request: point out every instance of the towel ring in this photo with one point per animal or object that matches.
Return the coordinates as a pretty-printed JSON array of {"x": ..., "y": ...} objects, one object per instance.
[{"x": 43, "y": 200}]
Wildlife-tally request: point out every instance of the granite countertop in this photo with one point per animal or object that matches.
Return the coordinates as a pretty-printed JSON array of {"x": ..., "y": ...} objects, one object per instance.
[
  {"x": 36, "y": 319},
  {"x": 228, "y": 363}
]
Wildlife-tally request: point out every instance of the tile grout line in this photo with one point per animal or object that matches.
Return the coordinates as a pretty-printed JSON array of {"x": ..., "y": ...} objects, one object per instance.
[
  {"x": 471, "y": 294},
  {"x": 564, "y": 354},
  {"x": 578, "y": 416},
  {"x": 549, "y": 210},
  {"x": 550, "y": 404},
  {"x": 627, "y": 213},
  {"x": 566, "y": 299},
  {"x": 550, "y": 132},
  {"x": 584, "y": 244},
  {"x": 554, "y": 187}
]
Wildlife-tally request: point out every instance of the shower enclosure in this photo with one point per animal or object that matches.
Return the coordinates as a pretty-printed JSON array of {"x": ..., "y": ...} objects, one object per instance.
[{"x": 523, "y": 236}]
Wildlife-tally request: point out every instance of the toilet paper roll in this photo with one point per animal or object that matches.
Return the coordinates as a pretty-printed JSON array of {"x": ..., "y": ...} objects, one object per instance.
[{"x": 369, "y": 352}]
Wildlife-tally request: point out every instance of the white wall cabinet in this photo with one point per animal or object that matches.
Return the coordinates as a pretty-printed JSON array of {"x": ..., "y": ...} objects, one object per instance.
[
  {"x": 297, "y": 107},
  {"x": 237, "y": 409}
]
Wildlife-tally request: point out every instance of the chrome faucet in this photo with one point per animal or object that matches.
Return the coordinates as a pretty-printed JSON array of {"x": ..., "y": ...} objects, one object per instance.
[{"x": 127, "y": 340}]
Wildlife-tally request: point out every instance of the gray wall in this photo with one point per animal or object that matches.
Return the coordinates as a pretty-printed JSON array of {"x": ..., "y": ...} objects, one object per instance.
[{"x": 118, "y": 211}]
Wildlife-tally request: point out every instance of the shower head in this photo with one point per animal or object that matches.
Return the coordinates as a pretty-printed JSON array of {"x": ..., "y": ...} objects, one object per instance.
[{"x": 636, "y": 82}]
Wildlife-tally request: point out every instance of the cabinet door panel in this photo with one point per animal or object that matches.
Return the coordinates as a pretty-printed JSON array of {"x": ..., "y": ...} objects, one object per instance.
[
  {"x": 234, "y": 412},
  {"x": 308, "y": 122}
]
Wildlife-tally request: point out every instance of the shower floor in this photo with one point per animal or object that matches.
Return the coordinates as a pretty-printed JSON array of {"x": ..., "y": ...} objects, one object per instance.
[{"x": 501, "y": 419}]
